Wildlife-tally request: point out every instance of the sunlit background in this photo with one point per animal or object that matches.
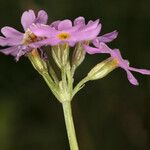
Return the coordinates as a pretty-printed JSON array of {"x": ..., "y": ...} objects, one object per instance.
[{"x": 109, "y": 114}]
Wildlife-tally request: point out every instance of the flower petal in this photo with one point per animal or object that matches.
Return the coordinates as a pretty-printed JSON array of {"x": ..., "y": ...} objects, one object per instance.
[
  {"x": 22, "y": 50},
  {"x": 72, "y": 29},
  {"x": 11, "y": 32},
  {"x": 71, "y": 43},
  {"x": 85, "y": 35},
  {"x": 10, "y": 51},
  {"x": 9, "y": 41},
  {"x": 13, "y": 37},
  {"x": 28, "y": 17},
  {"x": 54, "y": 41},
  {"x": 115, "y": 53},
  {"x": 39, "y": 43},
  {"x": 42, "y": 17},
  {"x": 142, "y": 71},
  {"x": 108, "y": 37},
  {"x": 43, "y": 30},
  {"x": 91, "y": 50},
  {"x": 103, "y": 48},
  {"x": 50, "y": 41},
  {"x": 64, "y": 25},
  {"x": 79, "y": 21},
  {"x": 91, "y": 25},
  {"x": 131, "y": 78},
  {"x": 55, "y": 24},
  {"x": 96, "y": 42}
]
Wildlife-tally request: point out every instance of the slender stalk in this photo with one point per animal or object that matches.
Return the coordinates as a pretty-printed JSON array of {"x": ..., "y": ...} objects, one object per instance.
[
  {"x": 53, "y": 73},
  {"x": 80, "y": 85},
  {"x": 51, "y": 85},
  {"x": 70, "y": 125}
]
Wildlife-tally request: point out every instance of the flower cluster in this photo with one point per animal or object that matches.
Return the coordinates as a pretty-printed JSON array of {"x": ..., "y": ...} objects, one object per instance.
[{"x": 78, "y": 34}]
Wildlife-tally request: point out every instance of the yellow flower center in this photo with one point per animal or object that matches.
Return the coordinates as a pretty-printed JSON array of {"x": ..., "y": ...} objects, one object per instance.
[
  {"x": 63, "y": 36},
  {"x": 115, "y": 62}
]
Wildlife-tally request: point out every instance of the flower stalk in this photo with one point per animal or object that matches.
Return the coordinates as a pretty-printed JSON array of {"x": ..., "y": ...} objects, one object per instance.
[{"x": 70, "y": 125}]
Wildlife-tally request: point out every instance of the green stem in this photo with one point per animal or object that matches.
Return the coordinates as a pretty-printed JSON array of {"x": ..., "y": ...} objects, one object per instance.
[
  {"x": 51, "y": 84},
  {"x": 80, "y": 85},
  {"x": 70, "y": 125},
  {"x": 53, "y": 73}
]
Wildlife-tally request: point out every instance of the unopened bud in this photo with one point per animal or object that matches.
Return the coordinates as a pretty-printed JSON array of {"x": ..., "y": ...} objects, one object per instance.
[
  {"x": 38, "y": 63},
  {"x": 78, "y": 55},
  {"x": 102, "y": 69},
  {"x": 60, "y": 54}
]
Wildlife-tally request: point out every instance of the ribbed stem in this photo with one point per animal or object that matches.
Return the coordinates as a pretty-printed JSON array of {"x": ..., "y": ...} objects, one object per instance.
[
  {"x": 51, "y": 84},
  {"x": 70, "y": 125}
]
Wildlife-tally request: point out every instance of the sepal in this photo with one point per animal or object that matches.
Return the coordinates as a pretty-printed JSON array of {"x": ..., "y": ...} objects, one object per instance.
[
  {"x": 102, "y": 69},
  {"x": 38, "y": 63}
]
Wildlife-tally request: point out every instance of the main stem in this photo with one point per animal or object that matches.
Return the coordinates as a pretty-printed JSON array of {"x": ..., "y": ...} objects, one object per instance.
[{"x": 70, "y": 125}]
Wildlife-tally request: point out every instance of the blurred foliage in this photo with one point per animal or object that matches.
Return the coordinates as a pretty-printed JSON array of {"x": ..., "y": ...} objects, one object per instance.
[{"x": 109, "y": 114}]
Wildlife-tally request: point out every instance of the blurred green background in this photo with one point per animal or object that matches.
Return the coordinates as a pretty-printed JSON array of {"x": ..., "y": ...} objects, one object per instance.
[{"x": 109, "y": 114}]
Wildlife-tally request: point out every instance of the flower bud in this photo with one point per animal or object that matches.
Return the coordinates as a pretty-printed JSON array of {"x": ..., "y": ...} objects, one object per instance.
[
  {"x": 60, "y": 54},
  {"x": 78, "y": 55},
  {"x": 102, "y": 69},
  {"x": 38, "y": 63}
]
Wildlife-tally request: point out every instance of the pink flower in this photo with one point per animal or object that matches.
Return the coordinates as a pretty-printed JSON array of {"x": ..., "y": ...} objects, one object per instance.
[
  {"x": 18, "y": 41},
  {"x": 65, "y": 32},
  {"x": 119, "y": 61}
]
